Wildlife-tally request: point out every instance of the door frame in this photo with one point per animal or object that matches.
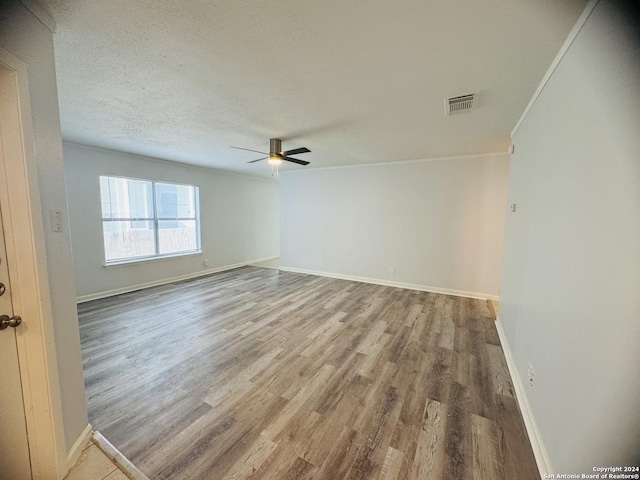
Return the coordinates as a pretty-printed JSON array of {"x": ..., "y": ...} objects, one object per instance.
[{"x": 26, "y": 259}]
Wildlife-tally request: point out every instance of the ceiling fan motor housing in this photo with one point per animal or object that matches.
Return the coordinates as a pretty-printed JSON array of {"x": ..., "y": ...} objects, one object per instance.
[{"x": 275, "y": 146}]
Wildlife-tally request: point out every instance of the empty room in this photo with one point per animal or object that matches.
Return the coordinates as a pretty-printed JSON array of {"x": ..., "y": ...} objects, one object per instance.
[{"x": 331, "y": 240}]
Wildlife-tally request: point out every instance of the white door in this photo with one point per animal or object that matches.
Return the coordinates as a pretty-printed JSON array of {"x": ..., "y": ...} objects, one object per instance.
[{"x": 14, "y": 449}]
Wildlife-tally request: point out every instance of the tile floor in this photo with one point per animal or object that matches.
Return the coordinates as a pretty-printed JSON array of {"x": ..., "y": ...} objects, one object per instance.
[{"x": 93, "y": 464}]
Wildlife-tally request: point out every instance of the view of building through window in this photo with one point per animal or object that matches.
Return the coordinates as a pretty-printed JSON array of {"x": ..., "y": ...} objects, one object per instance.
[{"x": 142, "y": 218}]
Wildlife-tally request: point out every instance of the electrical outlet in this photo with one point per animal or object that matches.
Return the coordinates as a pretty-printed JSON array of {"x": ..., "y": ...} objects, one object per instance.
[
  {"x": 392, "y": 270},
  {"x": 206, "y": 262},
  {"x": 531, "y": 375}
]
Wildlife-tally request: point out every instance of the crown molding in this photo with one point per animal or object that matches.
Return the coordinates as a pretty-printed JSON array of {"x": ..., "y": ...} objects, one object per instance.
[
  {"x": 41, "y": 12},
  {"x": 404, "y": 162},
  {"x": 573, "y": 34}
]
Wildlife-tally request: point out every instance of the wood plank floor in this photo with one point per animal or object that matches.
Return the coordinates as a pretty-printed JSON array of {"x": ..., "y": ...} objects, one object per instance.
[{"x": 259, "y": 374}]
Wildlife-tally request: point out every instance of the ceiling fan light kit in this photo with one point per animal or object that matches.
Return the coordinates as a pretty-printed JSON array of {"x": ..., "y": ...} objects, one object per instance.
[
  {"x": 277, "y": 155},
  {"x": 274, "y": 160},
  {"x": 275, "y": 145}
]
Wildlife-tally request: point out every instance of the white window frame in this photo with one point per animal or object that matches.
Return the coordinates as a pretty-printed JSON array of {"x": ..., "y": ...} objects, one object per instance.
[{"x": 155, "y": 221}]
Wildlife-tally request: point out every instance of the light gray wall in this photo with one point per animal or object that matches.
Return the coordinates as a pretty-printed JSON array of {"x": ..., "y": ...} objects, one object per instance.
[
  {"x": 438, "y": 223},
  {"x": 24, "y": 36},
  {"x": 238, "y": 216},
  {"x": 570, "y": 300}
]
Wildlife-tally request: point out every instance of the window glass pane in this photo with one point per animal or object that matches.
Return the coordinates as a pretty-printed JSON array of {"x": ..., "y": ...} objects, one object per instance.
[
  {"x": 131, "y": 216},
  {"x": 175, "y": 201},
  {"x": 126, "y": 198},
  {"x": 177, "y": 236},
  {"x": 126, "y": 239}
]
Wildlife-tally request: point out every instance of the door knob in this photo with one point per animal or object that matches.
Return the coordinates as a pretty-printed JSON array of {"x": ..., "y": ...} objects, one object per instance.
[{"x": 7, "y": 321}]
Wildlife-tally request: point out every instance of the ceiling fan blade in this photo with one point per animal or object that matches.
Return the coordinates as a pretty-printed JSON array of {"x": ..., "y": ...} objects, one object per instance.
[
  {"x": 294, "y": 160},
  {"x": 249, "y": 150},
  {"x": 257, "y": 160},
  {"x": 296, "y": 151}
]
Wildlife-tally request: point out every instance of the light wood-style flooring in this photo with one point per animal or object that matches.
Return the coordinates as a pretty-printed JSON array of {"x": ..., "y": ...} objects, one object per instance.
[{"x": 260, "y": 374}]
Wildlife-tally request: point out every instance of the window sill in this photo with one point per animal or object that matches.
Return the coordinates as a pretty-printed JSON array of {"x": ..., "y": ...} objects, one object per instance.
[{"x": 160, "y": 258}]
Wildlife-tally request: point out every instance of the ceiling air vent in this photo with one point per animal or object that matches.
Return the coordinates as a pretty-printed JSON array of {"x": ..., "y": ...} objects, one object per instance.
[{"x": 460, "y": 104}]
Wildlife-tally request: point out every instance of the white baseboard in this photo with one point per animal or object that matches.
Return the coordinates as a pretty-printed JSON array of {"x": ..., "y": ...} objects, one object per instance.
[
  {"x": 164, "y": 281},
  {"x": 78, "y": 446},
  {"x": 539, "y": 450},
  {"x": 265, "y": 259},
  {"x": 387, "y": 283}
]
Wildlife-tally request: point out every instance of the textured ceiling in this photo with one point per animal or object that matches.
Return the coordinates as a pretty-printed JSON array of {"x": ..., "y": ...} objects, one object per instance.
[{"x": 355, "y": 81}]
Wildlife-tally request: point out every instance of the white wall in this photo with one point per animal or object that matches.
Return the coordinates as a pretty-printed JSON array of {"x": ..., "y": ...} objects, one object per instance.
[
  {"x": 570, "y": 300},
  {"x": 438, "y": 223},
  {"x": 27, "y": 38},
  {"x": 238, "y": 216}
]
